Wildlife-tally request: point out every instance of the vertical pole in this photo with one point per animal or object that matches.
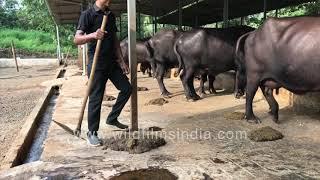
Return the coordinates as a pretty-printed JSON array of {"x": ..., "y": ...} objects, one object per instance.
[
  {"x": 225, "y": 13},
  {"x": 264, "y": 9},
  {"x": 139, "y": 20},
  {"x": 242, "y": 21},
  {"x": 120, "y": 27},
  {"x": 217, "y": 25},
  {"x": 277, "y": 12},
  {"x": 58, "y": 44},
  {"x": 133, "y": 62},
  {"x": 197, "y": 17},
  {"x": 155, "y": 24},
  {"x": 14, "y": 55},
  {"x": 180, "y": 15},
  {"x": 84, "y": 55}
]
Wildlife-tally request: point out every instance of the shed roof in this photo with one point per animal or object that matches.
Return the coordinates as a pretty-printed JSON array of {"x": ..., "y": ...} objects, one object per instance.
[{"x": 207, "y": 11}]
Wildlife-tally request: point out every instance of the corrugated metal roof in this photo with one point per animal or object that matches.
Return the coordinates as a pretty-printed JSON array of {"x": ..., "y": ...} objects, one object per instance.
[{"x": 205, "y": 11}]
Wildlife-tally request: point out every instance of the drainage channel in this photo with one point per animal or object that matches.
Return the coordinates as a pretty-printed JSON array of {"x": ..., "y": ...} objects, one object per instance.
[
  {"x": 42, "y": 128},
  {"x": 28, "y": 146}
]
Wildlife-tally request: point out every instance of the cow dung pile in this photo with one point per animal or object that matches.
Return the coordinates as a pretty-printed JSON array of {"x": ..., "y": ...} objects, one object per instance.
[
  {"x": 265, "y": 134},
  {"x": 234, "y": 116},
  {"x": 142, "y": 89},
  {"x": 108, "y": 98},
  {"x": 134, "y": 142},
  {"x": 158, "y": 101}
]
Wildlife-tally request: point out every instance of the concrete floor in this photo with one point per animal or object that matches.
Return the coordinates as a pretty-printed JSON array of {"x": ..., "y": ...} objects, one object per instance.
[{"x": 201, "y": 143}]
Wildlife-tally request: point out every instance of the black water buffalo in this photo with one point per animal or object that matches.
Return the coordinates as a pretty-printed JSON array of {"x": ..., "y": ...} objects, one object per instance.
[
  {"x": 208, "y": 50},
  {"x": 160, "y": 47},
  {"x": 281, "y": 53},
  {"x": 143, "y": 56}
]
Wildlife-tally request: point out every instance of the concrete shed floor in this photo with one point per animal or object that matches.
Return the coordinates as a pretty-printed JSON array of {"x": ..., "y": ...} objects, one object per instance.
[{"x": 201, "y": 143}]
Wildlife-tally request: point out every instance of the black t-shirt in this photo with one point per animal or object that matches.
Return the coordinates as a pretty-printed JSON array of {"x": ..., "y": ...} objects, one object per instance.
[{"x": 91, "y": 20}]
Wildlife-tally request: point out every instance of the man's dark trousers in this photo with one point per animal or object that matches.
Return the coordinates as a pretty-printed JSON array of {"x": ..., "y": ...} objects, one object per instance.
[{"x": 120, "y": 81}]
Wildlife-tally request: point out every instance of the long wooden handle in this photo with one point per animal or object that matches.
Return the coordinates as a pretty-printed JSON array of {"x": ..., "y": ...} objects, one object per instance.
[{"x": 93, "y": 69}]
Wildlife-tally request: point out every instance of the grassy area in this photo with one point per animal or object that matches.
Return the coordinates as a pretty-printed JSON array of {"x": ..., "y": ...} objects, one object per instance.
[{"x": 31, "y": 41}]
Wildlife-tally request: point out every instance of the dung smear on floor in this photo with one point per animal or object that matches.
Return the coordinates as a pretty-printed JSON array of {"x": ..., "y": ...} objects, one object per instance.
[
  {"x": 265, "y": 134},
  {"x": 108, "y": 98},
  {"x": 134, "y": 142},
  {"x": 146, "y": 174},
  {"x": 142, "y": 89},
  {"x": 234, "y": 116},
  {"x": 158, "y": 101},
  {"x": 154, "y": 128}
]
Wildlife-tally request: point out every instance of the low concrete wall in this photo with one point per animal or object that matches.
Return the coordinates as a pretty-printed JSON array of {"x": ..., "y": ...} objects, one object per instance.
[{"x": 10, "y": 63}]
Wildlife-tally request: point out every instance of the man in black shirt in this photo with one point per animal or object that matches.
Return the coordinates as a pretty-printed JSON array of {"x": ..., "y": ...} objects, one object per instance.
[{"x": 110, "y": 65}]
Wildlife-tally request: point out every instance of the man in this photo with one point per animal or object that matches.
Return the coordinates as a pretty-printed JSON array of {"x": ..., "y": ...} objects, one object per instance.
[{"x": 110, "y": 65}]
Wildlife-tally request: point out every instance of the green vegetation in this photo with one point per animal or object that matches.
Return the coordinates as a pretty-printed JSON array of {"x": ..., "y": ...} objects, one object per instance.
[
  {"x": 29, "y": 24},
  {"x": 30, "y": 40}
]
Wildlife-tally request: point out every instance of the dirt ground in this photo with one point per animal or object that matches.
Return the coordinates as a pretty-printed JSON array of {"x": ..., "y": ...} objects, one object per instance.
[
  {"x": 20, "y": 92},
  {"x": 201, "y": 142}
]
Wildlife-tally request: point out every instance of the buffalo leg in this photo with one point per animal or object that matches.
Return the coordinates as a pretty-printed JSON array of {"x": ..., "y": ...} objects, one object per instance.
[
  {"x": 252, "y": 88},
  {"x": 212, "y": 90},
  {"x": 187, "y": 80},
  {"x": 203, "y": 79},
  {"x": 273, "y": 104},
  {"x": 160, "y": 75},
  {"x": 154, "y": 68},
  {"x": 193, "y": 91}
]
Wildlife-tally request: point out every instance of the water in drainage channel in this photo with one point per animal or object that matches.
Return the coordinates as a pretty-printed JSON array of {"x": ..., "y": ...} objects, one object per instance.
[{"x": 36, "y": 148}]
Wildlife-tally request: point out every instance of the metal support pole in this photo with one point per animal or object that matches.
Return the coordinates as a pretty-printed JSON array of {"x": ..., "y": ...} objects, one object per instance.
[
  {"x": 242, "y": 21},
  {"x": 225, "y": 13},
  {"x": 120, "y": 27},
  {"x": 133, "y": 62},
  {"x": 217, "y": 25},
  {"x": 180, "y": 15},
  {"x": 264, "y": 9},
  {"x": 197, "y": 17},
  {"x": 139, "y": 20},
  {"x": 155, "y": 24},
  {"x": 84, "y": 56},
  {"x": 58, "y": 44},
  {"x": 277, "y": 12}
]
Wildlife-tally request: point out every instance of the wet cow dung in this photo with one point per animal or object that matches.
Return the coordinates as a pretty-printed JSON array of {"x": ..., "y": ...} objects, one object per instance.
[
  {"x": 158, "y": 101},
  {"x": 265, "y": 134},
  {"x": 146, "y": 174},
  {"x": 154, "y": 128},
  {"x": 142, "y": 89},
  {"x": 134, "y": 142},
  {"x": 234, "y": 116},
  {"x": 108, "y": 98}
]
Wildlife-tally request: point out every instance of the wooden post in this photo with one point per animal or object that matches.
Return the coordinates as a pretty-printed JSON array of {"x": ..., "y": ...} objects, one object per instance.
[
  {"x": 133, "y": 62},
  {"x": 225, "y": 13},
  {"x": 14, "y": 55}
]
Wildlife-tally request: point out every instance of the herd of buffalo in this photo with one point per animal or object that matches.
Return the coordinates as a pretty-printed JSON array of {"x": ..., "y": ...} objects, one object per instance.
[{"x": 283, "y": 52}]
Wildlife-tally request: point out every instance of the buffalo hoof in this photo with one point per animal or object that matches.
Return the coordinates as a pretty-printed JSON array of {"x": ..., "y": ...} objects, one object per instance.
[
  {"x": 202, "y": 95},
  {"x": 238, "y": 95},
  {"x": 253, "y": 119},
  {"x": 166, "y": 95},
  {"x": 213, "y": 92}
]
